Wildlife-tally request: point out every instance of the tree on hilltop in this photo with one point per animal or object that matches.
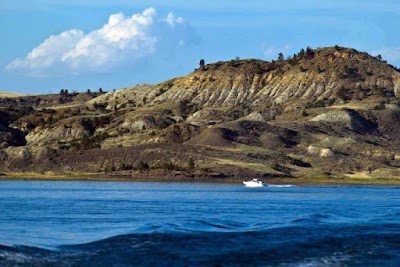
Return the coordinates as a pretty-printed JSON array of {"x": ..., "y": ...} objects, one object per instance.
[
  {"x": 202, "y": 64},
  {"x": 64, "y": 92},
  {"x": 309, "y": 52}
]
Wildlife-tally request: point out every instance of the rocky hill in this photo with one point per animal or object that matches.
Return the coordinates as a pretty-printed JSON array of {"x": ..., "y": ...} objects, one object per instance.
[{"x": 328, "y": 113}]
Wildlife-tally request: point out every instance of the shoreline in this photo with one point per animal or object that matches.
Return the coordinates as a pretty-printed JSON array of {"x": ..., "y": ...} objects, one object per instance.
[{"x": 182, "y": 178}]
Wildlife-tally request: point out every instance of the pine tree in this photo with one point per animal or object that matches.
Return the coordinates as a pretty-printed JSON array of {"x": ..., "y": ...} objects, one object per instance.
[{"x": 202, "y": 64}]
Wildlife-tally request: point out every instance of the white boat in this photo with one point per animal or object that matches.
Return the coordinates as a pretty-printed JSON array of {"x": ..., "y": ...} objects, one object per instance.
[{"x": 253, "y": 183}]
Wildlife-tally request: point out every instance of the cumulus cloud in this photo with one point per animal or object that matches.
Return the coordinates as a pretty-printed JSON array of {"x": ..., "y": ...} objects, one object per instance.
[
  {"x": 173, "y": 21},
  {"x": 122, "y": 40},
  {"x": 49, "y": 52}
]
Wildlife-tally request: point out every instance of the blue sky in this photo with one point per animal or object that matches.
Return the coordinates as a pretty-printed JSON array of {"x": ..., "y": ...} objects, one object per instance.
[{"x": 48, "y": 44}]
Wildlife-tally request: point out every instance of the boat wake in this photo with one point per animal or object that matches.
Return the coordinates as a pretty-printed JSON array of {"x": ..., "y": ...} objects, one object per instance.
[{"x": 282, "y": 185}]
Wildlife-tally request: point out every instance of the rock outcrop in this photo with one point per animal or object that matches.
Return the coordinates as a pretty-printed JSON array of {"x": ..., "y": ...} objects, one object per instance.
[{"x": 325, "y": 74}]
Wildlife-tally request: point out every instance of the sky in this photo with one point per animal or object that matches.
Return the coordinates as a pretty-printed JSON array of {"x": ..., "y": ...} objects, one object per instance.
[{"x": 49, "y": 45}]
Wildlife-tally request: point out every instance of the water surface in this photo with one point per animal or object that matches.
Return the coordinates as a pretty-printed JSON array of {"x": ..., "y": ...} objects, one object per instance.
[{"x": 130, "y": 223}]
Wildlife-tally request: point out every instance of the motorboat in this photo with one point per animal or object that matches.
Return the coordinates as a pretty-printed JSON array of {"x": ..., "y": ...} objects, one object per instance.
[{"x": 253, "y": 183}]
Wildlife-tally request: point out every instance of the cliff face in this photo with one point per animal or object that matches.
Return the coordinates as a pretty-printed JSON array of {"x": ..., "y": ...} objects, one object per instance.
[
  {"x": 321, "y": 74},
  {"x": 330, "y": 109},
  {"x": 317, "y": 77}
]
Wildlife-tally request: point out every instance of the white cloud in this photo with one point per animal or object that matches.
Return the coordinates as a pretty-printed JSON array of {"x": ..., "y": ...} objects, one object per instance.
[
  {"x": 122, "y": 40},
  {"x": 173, "y": 21},
  {"x": 391, "y": 54},
  {"x": 49, "y": 52}
]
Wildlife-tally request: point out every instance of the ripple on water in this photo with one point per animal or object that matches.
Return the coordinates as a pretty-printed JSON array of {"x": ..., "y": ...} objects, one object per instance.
[
  {"x": 287, "y": 246},
  {"x": 198, "y": 224}
]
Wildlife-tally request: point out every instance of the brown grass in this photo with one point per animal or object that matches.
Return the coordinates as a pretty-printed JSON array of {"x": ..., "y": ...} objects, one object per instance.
[{"x": 10, "y": 94}]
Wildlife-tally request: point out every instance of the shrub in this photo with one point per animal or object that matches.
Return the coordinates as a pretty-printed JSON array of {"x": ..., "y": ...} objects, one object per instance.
[
  {"x": 191, "y": 164},
  {"x": 275, "y": 166},
  {"x": 379, "y": 106},
  {"x": 124, "y": 167},
  {"x": 309, "y": 52},
  {"x": 318, "y": 104},
  {"x": 88, "y": 143},
  {"x": 170, "y": 166},
  {"x": 341, "y": 93},
  {"x": 292, "y": 60},
  {"x": 142, "y": 166}
]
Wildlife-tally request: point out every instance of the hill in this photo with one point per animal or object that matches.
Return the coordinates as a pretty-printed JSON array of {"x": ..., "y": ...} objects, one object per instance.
[
  {"x": 326, "y": 114},
  {"x": 9, "y": 94}
]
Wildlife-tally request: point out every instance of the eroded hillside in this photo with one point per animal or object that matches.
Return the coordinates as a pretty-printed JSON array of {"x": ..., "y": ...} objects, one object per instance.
[{"x": 329, "y": 113}]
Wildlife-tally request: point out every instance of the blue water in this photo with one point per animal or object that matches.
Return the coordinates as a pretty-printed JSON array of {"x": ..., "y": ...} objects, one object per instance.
[{"x": 182, "y": 224}]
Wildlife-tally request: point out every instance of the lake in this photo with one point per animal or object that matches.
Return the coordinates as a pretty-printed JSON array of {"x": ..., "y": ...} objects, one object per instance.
[{"x": 80, "y": 223}]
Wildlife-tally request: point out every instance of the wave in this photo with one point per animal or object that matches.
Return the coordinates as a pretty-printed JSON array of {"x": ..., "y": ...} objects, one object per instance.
[
  {"x": 202, "y": 226},
  {"x": 284, "y": 246},
  {"x": 282, "y": 185},
  {"x": 313, "y": 218}
]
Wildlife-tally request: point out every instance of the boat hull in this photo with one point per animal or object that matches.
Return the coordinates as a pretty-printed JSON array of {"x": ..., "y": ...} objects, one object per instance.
[{"x": 253, "y": 184}]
